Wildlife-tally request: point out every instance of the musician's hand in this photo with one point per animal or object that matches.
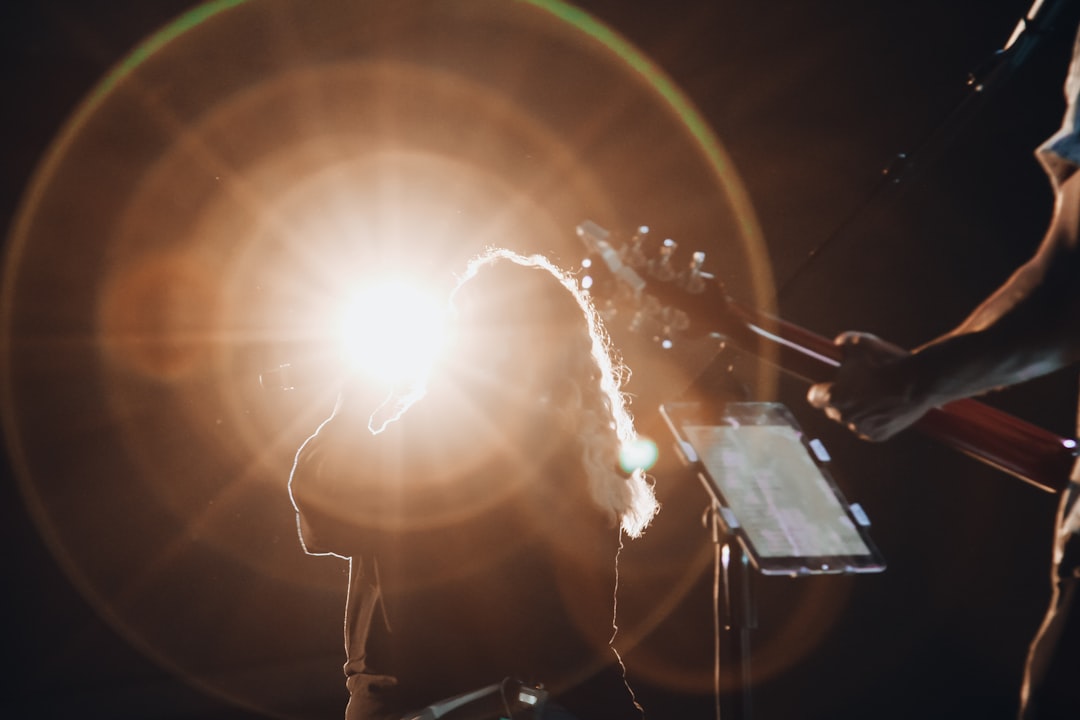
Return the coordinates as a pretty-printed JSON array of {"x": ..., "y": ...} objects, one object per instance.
[{"x": 871, "y": 392}]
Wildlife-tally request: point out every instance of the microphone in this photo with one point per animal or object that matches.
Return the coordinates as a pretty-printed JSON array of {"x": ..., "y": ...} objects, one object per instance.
[{"x": 487, "y": 703}]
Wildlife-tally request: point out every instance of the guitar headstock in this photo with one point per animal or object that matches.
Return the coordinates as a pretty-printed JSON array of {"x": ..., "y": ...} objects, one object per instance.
[{"x": 649, "y": 285}]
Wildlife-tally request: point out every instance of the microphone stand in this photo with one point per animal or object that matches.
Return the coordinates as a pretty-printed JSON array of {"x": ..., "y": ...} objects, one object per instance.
[{"x": 1041, "y": 23}]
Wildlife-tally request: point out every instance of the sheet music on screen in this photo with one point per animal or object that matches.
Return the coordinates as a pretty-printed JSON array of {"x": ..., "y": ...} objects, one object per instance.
[{"x": 776, "y": 491}]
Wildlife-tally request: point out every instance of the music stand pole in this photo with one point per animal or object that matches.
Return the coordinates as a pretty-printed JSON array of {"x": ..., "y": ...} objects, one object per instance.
[{"x": 732, "y": 589}]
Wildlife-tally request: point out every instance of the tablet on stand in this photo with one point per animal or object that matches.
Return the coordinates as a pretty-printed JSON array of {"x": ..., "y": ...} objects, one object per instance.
[{"x": 775, "y": 509}]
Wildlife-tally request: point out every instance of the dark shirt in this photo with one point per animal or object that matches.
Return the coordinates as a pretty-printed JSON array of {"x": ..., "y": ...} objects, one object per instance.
[{"x": 476, "y": 552}]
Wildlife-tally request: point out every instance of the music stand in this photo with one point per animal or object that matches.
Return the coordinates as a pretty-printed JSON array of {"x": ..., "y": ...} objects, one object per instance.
[{"x": 774, "y": 510}]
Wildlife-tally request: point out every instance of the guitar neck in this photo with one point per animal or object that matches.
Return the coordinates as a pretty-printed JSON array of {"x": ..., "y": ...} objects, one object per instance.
[
  {"x": 987, "y": 434},
  {"x": 991, "y": 436}
]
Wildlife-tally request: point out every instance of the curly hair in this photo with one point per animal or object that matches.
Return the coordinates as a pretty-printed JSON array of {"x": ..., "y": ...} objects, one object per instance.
[{"x": 588, "y": 395}]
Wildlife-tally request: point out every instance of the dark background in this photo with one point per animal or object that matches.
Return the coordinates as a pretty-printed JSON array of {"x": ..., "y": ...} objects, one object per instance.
[{"x": 812, "y": 101}]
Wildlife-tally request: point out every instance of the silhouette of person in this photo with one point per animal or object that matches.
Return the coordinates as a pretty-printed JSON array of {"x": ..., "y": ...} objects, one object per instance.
[
  {"x": 483, "y": 517},
  {"x": 1028, "y": 327}
]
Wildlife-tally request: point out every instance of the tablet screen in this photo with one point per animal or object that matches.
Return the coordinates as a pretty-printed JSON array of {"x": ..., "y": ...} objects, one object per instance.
[
  {"x": 786, "y": 509},
  {"x": 776, "y": 491}
]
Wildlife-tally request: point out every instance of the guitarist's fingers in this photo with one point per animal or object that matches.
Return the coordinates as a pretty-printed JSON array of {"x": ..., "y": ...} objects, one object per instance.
[
  {"x": 868, "y": 348},
  {"x": 819, "y": 395},
  {"x": 851, "y": 337},
  {"x": 857, "y": 350}
]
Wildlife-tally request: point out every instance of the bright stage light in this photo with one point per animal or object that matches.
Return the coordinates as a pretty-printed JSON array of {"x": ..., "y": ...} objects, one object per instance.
[{"x": 392, "y": 332}]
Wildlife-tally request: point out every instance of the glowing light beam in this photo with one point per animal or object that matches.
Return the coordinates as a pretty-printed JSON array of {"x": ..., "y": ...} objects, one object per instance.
[{"x": 392, "y": 332}]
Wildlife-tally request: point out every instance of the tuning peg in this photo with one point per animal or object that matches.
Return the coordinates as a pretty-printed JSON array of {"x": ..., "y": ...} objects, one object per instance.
[
  {"x": 662, "y": 268},
  {"x": 634, "y": 255},
  {"x": 694, "y": 280}
]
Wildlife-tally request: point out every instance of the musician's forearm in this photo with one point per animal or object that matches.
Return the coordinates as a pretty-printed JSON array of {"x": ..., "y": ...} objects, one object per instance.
[
  {"x": 968, "y": 364},
  {"x": 1002, "y": 301}
]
